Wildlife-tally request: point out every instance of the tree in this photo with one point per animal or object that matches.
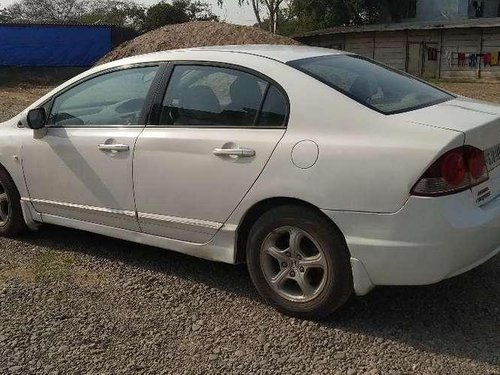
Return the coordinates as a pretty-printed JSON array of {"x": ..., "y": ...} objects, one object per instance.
[
  {"x": 123, "y": 13},
  {"x": 396, "y": 8},
  {"x": 199, "y": 11},
  {"x": 327, "y": 13},
  {"x": 269, "y": 10},
  {"x": 5, "y": 15},
  {"x": 178, "y": 11},
  {"x": 307, "y": 15},
  {"x": 47, "y": 10},
  {"x": 112, "y": 12}
]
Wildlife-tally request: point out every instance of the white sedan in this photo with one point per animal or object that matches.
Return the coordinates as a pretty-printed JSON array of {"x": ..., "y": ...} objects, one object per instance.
[{"x": 325, "y": 172}]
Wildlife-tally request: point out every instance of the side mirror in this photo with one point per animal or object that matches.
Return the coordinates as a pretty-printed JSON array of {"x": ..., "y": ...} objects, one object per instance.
[{"x": 36, "y": 118}]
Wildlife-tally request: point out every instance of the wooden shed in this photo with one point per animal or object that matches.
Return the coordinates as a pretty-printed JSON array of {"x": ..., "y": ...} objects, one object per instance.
[{"x": 463, "y": 49}]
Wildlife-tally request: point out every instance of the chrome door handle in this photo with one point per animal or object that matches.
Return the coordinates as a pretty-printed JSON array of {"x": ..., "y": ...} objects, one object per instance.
[
  {"x": 113, "y": 147},
  {"x": 239, "y": 152}
]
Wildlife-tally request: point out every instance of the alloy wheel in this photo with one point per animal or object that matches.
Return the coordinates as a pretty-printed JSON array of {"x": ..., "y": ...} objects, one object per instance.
[{"x": 294, "y": 264}]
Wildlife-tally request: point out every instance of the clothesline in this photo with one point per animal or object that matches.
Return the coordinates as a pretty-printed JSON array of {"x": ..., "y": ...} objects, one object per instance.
[{"x": 473, "y": 60}]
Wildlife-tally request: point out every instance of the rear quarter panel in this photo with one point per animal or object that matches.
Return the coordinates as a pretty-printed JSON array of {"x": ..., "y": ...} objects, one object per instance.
[{"x": 368, "y": 162}]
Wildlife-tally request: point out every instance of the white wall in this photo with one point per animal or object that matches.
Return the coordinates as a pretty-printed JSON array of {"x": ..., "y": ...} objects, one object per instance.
[
  {"x": 432, "y": 10},
  {"x": 436, "y": 10}
]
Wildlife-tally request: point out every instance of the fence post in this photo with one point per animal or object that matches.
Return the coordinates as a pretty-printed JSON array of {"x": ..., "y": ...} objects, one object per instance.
[
  {"x": 441, "y": 51},
  {"x": 373, "y": 45},
  {"x": 481, "y": 43}
]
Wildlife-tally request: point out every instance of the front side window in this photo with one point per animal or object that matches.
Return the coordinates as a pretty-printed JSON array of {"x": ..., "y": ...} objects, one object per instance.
[
  {"x": 375, "y": 86},
  {"x": 212, "y": 96},
  {"x": 115, "y": 98}
]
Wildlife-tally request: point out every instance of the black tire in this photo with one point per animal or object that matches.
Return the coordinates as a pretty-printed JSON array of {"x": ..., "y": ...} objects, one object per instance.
[
  {"x": 333, "y": 291},
  {"x": 13, "y": 223}
]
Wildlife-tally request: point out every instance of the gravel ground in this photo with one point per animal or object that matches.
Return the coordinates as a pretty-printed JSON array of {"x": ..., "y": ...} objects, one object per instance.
[
  {"x": 74, "y": 302},
  {"x": 13, "y": 99}
]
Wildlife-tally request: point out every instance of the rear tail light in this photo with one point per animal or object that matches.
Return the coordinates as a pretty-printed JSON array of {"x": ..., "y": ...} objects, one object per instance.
[{"x": 457, "y": 170}]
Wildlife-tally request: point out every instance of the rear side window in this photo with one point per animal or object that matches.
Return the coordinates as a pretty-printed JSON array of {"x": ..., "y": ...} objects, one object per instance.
[
  {"x": 274, "y": 110},
  {"x": 375, "y": 86},
  {"x": 212, "y": 96}
]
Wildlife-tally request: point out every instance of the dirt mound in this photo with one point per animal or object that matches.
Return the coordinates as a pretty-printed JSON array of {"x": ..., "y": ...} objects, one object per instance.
[{"x": 194, "y": 34}]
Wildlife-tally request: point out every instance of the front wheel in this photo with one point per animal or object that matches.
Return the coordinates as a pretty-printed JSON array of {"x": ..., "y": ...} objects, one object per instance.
[
  {"x": 299, "y": 262},
  {"x": 11, "y": 214}
]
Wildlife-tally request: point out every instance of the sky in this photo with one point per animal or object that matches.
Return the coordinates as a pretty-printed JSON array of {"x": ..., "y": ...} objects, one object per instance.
[{"x": 230, "y": 12}]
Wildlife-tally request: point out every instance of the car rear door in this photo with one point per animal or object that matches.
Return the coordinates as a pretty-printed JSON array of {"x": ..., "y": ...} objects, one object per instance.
[
  {"x": 82, "y": 167},
  {"x": 210, "y": 137}
]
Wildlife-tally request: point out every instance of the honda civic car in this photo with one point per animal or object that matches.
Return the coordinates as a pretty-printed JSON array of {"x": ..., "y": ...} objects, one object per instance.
[{"x": 325, "y": 172}]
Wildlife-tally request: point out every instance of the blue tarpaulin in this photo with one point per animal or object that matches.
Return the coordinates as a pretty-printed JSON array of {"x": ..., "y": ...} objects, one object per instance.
[{"x": 53, "y": 45}]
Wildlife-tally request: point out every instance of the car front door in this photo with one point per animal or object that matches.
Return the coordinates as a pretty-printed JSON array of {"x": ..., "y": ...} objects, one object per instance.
[
  {"x": 82, "y": 167},
  {"x": 215, "y": 130}
]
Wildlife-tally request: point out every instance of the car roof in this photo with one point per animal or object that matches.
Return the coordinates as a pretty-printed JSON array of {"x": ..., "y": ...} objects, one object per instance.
[{"x": 281, "y": 53}]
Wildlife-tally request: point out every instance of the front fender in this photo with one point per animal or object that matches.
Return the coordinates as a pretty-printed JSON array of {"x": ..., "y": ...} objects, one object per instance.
[{"x": 12, "y": 139}]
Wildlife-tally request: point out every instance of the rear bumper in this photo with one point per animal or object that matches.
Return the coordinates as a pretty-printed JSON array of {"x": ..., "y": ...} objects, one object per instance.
[{"x": 428, "y": 240}]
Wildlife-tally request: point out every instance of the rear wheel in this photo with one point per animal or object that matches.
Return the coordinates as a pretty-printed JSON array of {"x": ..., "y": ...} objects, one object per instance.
[
  {"x": 11, "y": 214},
  {"x": 299, "y": 262}
]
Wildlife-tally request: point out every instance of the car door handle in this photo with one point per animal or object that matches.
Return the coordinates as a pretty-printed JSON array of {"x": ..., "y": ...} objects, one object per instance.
[
  {"x": 113, "y": 147},
  {"x": 239, "y": 152}
]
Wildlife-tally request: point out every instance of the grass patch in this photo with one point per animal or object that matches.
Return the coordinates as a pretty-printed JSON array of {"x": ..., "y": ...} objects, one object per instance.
[
  {"x": 47, "y": 265},
  {"x": 17, "y": 273},
  {"x": 51, "y": 265}
]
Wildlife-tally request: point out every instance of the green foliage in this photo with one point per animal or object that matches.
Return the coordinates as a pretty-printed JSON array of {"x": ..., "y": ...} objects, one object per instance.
[
  {"x": 112, "y": 12},
  {"x": 47, "y": 10},
  {"x": 5, "y": 15},
  {"x": 397, "y": 9},
  {"x": 289, "y": 17},
  {"x": 319, "y": 14},
  {"x": 294, "y": 17},
  {"x": 267, "y": 12},
  {"x": 164, "y": 14},
  {"x": 178, "y": 11},
  {"x": 307, "y": 15}
]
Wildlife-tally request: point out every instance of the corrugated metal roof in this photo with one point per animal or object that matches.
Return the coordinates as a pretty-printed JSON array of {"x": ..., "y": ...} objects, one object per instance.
[{"x": 455, "y": 24}]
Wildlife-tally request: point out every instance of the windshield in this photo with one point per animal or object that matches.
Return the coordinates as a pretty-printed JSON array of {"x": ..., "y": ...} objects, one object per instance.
[{"x": 375, "y": 86}]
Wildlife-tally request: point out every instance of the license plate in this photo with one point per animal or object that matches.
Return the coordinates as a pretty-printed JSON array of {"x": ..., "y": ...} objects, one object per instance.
[{"x": 492, "y": 157}]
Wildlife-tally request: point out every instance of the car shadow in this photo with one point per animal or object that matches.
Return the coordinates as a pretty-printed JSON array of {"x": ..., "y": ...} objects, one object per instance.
[{"x": 458, "y": 317}]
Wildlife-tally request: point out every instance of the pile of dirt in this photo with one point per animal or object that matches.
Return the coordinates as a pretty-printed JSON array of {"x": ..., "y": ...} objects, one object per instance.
[{"x": 194, "y": 34}]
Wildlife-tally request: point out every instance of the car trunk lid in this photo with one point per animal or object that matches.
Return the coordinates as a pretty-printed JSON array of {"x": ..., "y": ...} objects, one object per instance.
[{"x": 480, "y": 123}]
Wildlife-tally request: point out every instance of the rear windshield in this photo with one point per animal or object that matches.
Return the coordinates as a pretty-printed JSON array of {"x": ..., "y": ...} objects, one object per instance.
[{"x": 373, "y": 85}]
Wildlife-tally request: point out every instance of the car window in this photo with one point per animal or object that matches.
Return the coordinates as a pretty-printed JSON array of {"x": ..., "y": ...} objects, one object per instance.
[
  {"x": 211, "y": 96},
  {"x": 114, "y": 98},
  {"x": 371, "y": 84},
  {"x": 46, "y": 106},
  {"x": 274, "y": 110}
]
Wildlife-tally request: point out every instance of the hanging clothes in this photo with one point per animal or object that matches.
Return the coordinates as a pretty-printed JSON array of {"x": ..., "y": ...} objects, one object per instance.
[
  {"x": 487, "y": 59},
  {"x": 494, "y": 58},
  {"x": 461, "y": 59},
  {"x": 448, "y": 57},
  {"x": 432, "y": 54},
  {"x": 473, "y": 60}
]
